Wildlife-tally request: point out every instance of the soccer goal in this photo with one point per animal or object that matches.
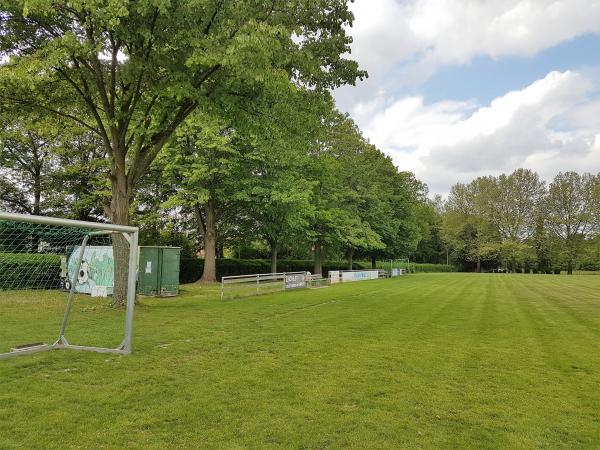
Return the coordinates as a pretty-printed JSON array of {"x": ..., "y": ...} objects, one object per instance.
[
  {"x": 399, "y": 267},
  {"x": 46, "y": 265}
]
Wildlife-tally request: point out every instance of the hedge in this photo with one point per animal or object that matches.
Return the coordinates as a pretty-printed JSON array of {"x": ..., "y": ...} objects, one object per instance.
[
  {"x": 29, "y": 271},
  {"x": 590, "y": 266},
  {"x": 432, "y": 268},
  {"x": 420, "y": 267},
  {"x": 191, "y": 268}
]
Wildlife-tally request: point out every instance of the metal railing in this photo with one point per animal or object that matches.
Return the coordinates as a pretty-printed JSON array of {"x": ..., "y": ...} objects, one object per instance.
[
  {"x": 316, "y": 281},
  {"x": 240, "y": 286}
]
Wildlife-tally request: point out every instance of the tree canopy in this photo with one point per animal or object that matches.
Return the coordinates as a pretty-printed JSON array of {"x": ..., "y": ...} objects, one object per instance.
[
  {"x": 133, "y": 71},
  {"x": 517, "y": 221}
]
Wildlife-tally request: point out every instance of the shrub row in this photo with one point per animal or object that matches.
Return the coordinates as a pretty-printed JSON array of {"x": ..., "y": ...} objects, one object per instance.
[
  {"x": 191, "y": 268},
  {"x": 29, "y": 271},
  {"x": 432, "y": 268},
  {"x": 420, "y": 268},
  {"x": 590, "y": 266}
]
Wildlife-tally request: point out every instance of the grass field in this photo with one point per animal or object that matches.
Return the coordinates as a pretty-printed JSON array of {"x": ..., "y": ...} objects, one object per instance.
[{"x": 425, "y": 361}]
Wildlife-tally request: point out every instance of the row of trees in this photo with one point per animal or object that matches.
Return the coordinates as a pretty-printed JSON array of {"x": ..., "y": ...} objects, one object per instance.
[
  {"x": 518, "y": 222},
  {"x": 210, "y": 117},
  {"x": 329, "y": 194},
  {"x": 324, "y": 193}
]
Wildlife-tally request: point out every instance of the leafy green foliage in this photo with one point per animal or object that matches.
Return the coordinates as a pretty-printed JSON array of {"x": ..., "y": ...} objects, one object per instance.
[
  {"x": 362, "y": 203},
  {"x": 47, "y": 171},
  {"x": 514, "y": 221},
  {"x": 571, "y": 206},
  {"x": 132, "y": 72}
]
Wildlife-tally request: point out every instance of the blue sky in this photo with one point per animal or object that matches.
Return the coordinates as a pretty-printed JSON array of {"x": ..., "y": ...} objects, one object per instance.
[
  {"x": 485, "y": 78},
  {"x": 462, "y": 88}
]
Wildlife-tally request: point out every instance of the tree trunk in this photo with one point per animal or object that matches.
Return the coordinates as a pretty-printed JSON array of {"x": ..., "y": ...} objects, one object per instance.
[
  {"x": 37, "y": 193},
  {"x": 514, "y": 266},
  {"x": 350, "y": 256},
  {"x": 274, "y": 249},
  {"x": 478, "y": 265},
  {"x": 570, "y": 267},
  {"x": 373, "y": 262},
  {"x": 318, "y": 258},
  {"x": 119, "y": 210},
  {"x": 210, "y": 244}
]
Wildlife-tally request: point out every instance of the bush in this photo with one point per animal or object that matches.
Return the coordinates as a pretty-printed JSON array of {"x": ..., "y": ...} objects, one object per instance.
[
  {"x": 30, "y": 271},
  {"x": 420, "y": 267},
  {"x": 432, "y": 268},
  {"x": 191, "y": 268},
  {"x": 590, "y": 266}
]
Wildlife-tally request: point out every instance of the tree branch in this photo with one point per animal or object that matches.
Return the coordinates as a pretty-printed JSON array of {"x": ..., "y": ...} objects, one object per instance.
[
  {"x": 52, "y": 110},
  {"x": 87, "y": 98}
]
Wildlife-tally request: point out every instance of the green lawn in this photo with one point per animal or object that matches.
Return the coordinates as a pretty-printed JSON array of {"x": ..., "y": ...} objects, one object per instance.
[{"x": 425, "y": 361}]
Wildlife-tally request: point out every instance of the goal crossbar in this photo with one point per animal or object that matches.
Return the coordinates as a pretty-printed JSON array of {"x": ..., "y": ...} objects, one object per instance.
[{"x": 95, "y": 229}]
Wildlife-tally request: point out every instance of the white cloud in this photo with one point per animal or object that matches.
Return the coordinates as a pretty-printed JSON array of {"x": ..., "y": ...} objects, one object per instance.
[
  {"x": 453, "y": 31},
  {"x": 404, "y": 42},
  {"x": 550, "y": 125},
  {"x": 545, "y": 126}
]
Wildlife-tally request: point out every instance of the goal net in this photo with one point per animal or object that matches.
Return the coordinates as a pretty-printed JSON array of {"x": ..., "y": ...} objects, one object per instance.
[
  {"x": 399, "y": 267},
  {"x": 56, "y": 277}
]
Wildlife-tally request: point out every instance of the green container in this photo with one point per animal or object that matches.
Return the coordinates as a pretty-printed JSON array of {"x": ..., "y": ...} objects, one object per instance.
[{"x": 159, "y": 271}]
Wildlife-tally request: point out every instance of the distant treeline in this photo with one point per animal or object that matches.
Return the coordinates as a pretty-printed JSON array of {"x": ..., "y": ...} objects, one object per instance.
[{"x": 517, "y": 223}]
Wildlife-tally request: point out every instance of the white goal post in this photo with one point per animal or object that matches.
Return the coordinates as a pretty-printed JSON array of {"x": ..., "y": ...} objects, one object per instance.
[{"x": 33, "y": 249}]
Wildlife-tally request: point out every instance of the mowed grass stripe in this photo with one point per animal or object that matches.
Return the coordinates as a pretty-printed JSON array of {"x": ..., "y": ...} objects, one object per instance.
[
  {"x": 575, "y": 301},
  {"x": 554, "y": 360},
  {"x": 428, "y": 361},
  {"x": 501, "y": 368}
]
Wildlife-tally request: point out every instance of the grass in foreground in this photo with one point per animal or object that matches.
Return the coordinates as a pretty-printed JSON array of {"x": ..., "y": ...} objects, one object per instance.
[{"x": 424, "y": 361}]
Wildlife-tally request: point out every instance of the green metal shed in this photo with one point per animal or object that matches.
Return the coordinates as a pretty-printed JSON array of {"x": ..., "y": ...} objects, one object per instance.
[{"x": 159, "y": 271}]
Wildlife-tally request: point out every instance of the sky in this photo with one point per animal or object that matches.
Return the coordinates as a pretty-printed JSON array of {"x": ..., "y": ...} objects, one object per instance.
[{"x": 463, "y": 88}]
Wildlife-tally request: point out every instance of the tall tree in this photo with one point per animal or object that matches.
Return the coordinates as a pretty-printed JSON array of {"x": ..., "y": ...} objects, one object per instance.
[
  {"x": 466, "y": 227},
  {"x": 250, "y": 175},
  {"x": 203, "y": 165},
  {"x": 337, "y": 169},
  {"x": 141, "y": 68},
  {"x": 45, "y": 170},
  {"x": 27, "y": 162},
  {"x": 571, "y": 206},
  {"x": 514, "y": 202},
  {"x": 280, "y": 207},
  {"x": 393, "y": 208},
  {"x": 431, "y": 248}
]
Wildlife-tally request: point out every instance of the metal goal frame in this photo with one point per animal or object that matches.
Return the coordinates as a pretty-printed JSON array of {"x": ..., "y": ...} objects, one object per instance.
[{"x": 131, "y": 234}]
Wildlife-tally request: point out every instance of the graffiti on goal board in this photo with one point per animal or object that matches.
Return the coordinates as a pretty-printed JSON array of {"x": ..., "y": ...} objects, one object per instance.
[{"x": 97, "y": 268}]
